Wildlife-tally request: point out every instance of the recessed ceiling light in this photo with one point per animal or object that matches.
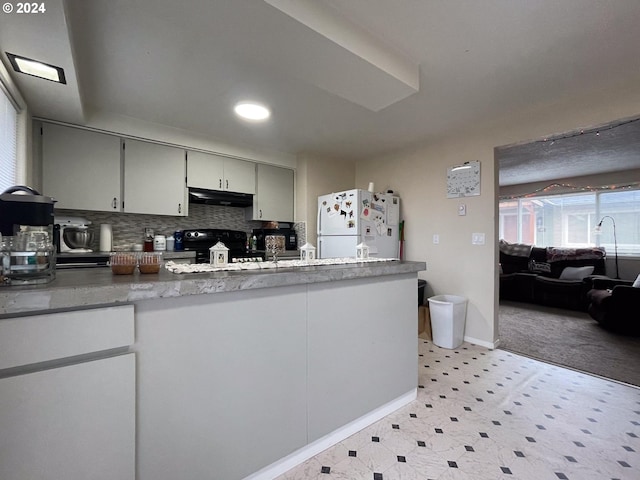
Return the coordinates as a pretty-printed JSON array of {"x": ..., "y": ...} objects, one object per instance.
[
  {"x": 36, "y": 69},
  {"x": 252, "y": 111}
]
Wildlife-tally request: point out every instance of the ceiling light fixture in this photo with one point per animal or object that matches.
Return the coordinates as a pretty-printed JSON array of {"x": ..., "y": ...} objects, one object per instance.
[
  {"x": 35, "y": 68},
  {"x": 252, "y": 111}
]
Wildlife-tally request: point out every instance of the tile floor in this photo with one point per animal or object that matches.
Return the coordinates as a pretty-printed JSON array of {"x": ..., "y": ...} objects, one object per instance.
[{"x": 491, "y": 414}]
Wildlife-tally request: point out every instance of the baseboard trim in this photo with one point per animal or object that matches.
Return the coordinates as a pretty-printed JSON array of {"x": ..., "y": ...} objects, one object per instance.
[
  {"x": 482, "y": 343},
  {"x": 296, "y": 458}
]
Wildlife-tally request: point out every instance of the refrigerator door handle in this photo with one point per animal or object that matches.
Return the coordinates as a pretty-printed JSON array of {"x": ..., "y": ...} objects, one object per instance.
[
  {"x": 319, "y": 222},
  {"x": 319, "y": 230}
]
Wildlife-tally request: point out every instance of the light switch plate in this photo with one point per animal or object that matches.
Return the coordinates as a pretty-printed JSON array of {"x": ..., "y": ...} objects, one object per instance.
[
  {"x": 462, "y": 209},
  {"x": 477, "y": 238}
]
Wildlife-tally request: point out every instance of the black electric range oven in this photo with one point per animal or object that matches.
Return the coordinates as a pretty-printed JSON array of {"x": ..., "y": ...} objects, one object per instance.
[{"x": 201, "y": 239}]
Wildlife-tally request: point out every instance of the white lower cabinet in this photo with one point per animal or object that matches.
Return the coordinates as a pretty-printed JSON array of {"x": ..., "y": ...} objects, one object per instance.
[
  {"x": 67, "y": 395},
  {"x": 222, "y": 383},
  {"x": 75, "y": 422}
]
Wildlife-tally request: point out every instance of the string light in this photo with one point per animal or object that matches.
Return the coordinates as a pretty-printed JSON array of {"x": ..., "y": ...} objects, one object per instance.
[
  {"x": 595, "y": 131},
  {"x": 567, "y": 186}
]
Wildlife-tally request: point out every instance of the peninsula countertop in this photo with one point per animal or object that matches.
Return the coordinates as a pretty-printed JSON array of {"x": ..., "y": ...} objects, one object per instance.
[{"x": 98, "y": 286}]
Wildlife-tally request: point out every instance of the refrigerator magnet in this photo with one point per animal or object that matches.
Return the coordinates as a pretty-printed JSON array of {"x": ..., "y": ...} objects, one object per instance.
[
  {"x": 366, "y": 213},
  {"x": 378, "y": 207}
]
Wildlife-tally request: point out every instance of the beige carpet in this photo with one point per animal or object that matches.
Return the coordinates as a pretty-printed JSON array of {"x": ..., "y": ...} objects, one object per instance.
[{"x": 568, "y": 338}]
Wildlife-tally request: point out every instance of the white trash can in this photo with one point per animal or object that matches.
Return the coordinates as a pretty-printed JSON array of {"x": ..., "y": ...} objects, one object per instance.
[{"x": 448, "y": 316}]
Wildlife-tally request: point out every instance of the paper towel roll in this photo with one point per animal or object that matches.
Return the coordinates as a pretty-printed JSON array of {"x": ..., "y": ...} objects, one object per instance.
[
  {"x": 106, "y": 237},
  {"x": 371, "y": 187}
]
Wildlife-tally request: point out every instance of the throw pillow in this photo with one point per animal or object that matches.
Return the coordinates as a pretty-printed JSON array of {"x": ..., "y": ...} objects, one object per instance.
[
  {"x": 539, "y": 267},
  {"x": 576, "y": 273},
  {"x": 637, "y": 282}
]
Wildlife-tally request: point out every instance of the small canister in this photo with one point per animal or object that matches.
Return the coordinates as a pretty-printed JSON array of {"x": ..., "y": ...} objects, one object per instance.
[
  {"x": 159, "y": 243},
  {"x": 178, "y": 244},
  {"x": 170, "y": 243}
]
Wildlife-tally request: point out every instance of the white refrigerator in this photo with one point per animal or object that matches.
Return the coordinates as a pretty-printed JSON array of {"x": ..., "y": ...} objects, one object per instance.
[{"x": 346, "y": 219}]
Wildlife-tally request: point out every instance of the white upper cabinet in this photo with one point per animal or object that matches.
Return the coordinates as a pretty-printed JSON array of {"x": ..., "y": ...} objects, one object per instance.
[
  {"x": 81, "y": 168},
  {"x": 154, "y": 179},
  {"x": 273, "y": 200},
  {"x": 215, "y": 172}
]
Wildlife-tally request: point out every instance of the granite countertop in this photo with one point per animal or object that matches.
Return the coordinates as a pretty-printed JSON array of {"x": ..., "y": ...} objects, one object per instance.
[{"x": 98, "y": 286}]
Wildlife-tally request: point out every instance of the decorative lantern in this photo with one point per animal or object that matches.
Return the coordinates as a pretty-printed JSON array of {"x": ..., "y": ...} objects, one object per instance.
[
  {"x": 219, "y": 255},
  {"x": 362, "y": 251},
  {"x": 307, "y": 253}
]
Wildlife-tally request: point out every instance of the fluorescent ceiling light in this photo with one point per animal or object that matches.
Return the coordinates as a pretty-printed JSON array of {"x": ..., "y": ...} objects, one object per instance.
[
  {"x": 252, "y": 111},
  {"x": 36, "y": 69}
]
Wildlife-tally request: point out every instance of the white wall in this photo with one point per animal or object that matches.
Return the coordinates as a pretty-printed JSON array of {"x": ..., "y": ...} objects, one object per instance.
[
  {"x": 317, "y": 176},
  {"x": 456, "y": 266}
]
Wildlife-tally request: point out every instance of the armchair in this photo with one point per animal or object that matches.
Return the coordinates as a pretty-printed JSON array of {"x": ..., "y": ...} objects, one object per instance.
[{"x": 615, "y": 304}]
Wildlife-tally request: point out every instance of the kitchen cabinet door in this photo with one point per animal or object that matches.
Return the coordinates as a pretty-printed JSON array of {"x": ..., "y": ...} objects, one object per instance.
[
  {"x": 216, "y": 172},
  {"x": 75, "y": 422},
  {"x": 154, "y": 179},
  {"x": 81, "y": 168},
  {"x": 273, "y": 200},
  {"x": 205, "y": 171}
]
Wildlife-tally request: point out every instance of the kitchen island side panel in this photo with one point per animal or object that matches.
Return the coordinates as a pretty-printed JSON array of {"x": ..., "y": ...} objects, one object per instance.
[
  {"x": 362, "y": 348},
  {"x": 222, "y": 383}
]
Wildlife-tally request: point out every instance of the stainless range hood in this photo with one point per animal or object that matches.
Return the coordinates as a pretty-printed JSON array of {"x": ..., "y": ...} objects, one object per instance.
[{"x": 217, "y": 197}]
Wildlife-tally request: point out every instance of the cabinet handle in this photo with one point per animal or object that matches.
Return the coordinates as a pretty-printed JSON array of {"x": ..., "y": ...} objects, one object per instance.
[
  {"x": 179, "y": 208},
  {"x": 260, "y": 213},
  {"x": 114, "y": 204},
  {"x": 227, "y": 184},
  {"x": 220, "y": 184}
]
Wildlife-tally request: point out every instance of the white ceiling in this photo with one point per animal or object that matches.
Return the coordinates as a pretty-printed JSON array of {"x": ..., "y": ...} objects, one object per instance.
[{"x": 346, "y": 79}]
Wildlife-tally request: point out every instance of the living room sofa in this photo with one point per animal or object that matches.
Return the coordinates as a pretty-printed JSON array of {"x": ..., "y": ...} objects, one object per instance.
[
  {"x": 552, "y": 276},
  {"x": 614, "y": 303}
]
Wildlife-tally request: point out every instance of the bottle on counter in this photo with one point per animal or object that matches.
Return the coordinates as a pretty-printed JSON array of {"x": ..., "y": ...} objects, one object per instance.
[
  {"x": 106, "y": 237},
  {"x": 254, "y": 243},
  {"x": 170, "y": 243},
  {"x": 159, "y": 243},
  {"x": 178, "y": 244},
  {"x": 148, "y": 240}
]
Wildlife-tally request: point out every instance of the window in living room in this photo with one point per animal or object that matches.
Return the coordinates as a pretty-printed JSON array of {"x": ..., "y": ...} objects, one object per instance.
[
  {"x": 624, "y": 207},
  {"x": 570, "y": 220}
]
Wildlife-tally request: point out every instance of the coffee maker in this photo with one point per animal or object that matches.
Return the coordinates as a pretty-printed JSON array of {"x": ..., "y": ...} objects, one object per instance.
[
  {"x": 27, "y": 253},
  {"x": 23, "y": 208}
]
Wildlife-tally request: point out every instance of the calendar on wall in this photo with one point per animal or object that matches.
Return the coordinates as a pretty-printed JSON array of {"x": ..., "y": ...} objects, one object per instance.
[{"x": 463, "y": 180}]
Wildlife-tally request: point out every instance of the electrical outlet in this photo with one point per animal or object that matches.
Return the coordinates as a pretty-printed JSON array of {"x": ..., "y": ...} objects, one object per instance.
[
  {"x": 477, "y": 238},
  {"x": 462, "y": 209},
  {"x": 436, "y": 239}
]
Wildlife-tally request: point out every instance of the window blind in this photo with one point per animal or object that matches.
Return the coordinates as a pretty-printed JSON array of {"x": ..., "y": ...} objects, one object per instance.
[{"x": 8, "y": 133}]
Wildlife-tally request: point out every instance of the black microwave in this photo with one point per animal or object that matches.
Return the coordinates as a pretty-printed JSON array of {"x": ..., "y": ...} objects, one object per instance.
[{"x": 290, "y": 237}]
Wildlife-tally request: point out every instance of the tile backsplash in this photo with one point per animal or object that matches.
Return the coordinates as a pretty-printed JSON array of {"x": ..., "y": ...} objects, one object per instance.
[{"x": 128, "y": 228}]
